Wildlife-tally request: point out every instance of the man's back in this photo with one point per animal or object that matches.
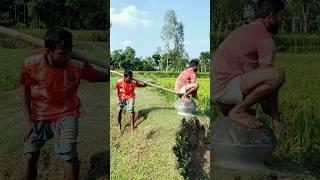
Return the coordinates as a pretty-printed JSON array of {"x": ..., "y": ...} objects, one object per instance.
[{"x": 184, "y": 78}]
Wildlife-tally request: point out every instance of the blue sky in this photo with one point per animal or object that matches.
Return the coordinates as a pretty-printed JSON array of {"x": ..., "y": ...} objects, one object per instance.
[{"x": 138, "y": 23}]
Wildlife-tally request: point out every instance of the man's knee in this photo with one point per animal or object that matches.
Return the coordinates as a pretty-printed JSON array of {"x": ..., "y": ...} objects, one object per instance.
[
  {"x": 278, "y": 76},
  {"x": 32, "y": 157},
  {"x": 196, "y": 86}
]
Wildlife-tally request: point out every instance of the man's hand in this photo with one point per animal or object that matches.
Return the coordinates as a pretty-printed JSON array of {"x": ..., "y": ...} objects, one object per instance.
[
  {"x": 28, "y": 128},
  {"x": 284, "y": 127}
]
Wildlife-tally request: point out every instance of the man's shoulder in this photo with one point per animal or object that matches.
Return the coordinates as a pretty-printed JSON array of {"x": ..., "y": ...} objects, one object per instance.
[
  {"x": 76, "y": 63},
  {"x": 119, "y": 80},
  {"x": 34, "y": 59}
]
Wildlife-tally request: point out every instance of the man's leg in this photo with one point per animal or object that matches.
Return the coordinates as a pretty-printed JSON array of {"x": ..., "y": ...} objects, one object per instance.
[
  {"x": 132, "y": 120},
  {"x": 122, "y": 104},
  {"x": 71, "y": 169},
  {"x": 30, "y": 165},
  {"x": 130, "y": 103},
  {"x": 119, "y": 119},
  {"x": 269, "y": 105},
  {"x": 190, "y": 89},
  {"x": 65, "y": 137},
  {"x": 255, "y": 85},
  {"x": 32, "y": 145}
]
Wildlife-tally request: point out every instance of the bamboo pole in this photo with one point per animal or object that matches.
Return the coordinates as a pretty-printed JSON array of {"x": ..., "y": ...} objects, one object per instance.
[
  {"x": 39, "y": 42},
  {"x": 149, "y": 84}
]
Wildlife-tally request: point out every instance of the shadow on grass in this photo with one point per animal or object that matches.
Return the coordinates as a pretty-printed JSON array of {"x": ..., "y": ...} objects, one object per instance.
[
  {"x": 99, "y": 165},
  {"x": 142, "y": 114}
]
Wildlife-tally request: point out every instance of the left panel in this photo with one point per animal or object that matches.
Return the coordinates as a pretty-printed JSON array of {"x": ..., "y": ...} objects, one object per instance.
[{"x": 54, "y": 59}]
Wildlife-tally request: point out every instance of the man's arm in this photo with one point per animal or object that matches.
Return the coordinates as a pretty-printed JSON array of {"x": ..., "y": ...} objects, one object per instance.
[
  {"x": 25, "y": 84},
  {"x": 266, "y": 53},
  {"x": 93, "y": 75},
  {"x": 103, "y": 76},
  {"x": 29, "y": 124},
  {"x": 141, "y": 84},
  {"x": 118, "y": 94},
  {"x": 193, "y": 78}
]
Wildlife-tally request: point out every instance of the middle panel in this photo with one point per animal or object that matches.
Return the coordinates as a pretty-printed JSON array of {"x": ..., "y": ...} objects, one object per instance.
[{"x": 160, "y": 86}]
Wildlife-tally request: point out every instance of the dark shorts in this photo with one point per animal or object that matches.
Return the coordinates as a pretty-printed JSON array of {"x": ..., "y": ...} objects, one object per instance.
[{"x": 64, "y": 132}]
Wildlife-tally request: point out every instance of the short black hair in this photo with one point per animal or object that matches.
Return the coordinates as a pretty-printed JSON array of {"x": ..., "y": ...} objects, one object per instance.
[
  {"x": 127, "y": 73},
  {"x": 58, "y": 38},
  {"x": 194, "y": 62},
  {"x": 265, "y": 7}
]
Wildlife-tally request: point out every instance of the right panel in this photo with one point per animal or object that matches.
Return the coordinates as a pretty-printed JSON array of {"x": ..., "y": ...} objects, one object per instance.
[{"x": 264, "y": 66}]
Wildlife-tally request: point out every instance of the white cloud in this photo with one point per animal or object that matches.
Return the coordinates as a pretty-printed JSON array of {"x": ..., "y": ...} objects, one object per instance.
[
  {"x": 130, "y": 17},
  {"x": 127, "y": 43}
]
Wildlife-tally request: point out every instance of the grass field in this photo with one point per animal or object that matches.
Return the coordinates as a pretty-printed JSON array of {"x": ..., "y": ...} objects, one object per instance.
[
  {"x": 299, "y": 101},
  {"x": 92, "y": 131},
  {"x": 147, "y": 153}
]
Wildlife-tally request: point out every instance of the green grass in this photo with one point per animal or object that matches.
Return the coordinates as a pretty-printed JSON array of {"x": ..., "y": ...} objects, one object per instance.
[
  {"x": 147, "y": 153},
  {"x": 299, "y": 102},
  {"x": 93, "y": 125}
]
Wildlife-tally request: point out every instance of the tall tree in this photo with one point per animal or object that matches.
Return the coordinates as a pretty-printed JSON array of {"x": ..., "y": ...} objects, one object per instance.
[
  {"x": 204, "y": 61},
  {"x": 172, "y": 35}
]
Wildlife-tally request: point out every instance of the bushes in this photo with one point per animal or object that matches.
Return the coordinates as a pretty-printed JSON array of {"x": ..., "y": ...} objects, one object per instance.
[
  {"x": 286, "y": 42},
  {"x": 169, "y": 74}
]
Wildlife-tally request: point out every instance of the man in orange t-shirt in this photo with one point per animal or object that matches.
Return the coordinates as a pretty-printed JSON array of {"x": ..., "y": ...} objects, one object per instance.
[
  {"x": 50, "y": 80},
  {"x": 126, "y": 96},
  {"x": 243, "y": 68},
  {"x": 186, "y": 82}
]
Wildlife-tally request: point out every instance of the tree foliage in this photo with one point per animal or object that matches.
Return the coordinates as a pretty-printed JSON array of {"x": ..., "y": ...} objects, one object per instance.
[{"x": 74, "y": 14}]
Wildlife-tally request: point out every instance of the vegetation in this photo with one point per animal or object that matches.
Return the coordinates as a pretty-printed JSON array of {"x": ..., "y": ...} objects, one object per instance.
[{"x": 79, "y": 14}]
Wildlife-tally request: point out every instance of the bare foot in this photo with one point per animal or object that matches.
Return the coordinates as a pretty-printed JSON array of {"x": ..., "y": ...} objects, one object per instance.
[
  {"x": 195, "y": 96},
  {"x": 185, "y": 98},
  {"x": 245, "y": 119},
  {"x": 283, "y": 127}
]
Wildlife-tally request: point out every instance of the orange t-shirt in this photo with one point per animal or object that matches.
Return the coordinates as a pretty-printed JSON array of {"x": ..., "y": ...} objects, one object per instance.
[
  {"x": 54, "y": 90},
  {"x": 244, "y": 50},
  {"x": 186, "y": 77},
  {"x": 126, "y": 89}
]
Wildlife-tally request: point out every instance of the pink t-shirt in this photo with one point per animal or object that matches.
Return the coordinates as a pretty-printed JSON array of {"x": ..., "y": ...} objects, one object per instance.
[
  {"x": 187, "y": 76},
  {"x": 245, "y": 49}
]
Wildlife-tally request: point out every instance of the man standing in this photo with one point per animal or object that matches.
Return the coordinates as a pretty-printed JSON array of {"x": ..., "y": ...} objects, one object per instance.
[
  {"x": 50, "y": 81},
  {"x": 126, "y": 96},
  {"x": 186, "y": 82},
  {"x": 243, "y": 68}
]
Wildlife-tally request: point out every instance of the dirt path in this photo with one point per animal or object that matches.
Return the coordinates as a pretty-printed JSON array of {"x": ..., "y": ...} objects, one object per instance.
[{"x": 147, "y": 153}]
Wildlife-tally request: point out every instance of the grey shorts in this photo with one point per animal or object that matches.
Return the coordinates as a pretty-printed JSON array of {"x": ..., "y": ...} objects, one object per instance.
[
  {"x": 231, "y": 94},
  {"x": 64, "y": 132},
  {"x": 129, "y": 103}
]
